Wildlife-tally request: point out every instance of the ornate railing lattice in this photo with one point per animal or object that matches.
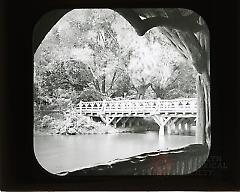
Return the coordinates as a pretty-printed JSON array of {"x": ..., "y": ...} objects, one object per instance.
[{"x": 132, "y": 107}]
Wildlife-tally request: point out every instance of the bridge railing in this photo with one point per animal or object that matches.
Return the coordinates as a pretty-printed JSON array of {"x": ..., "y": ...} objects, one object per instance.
[{"x": 139, "y": 106}]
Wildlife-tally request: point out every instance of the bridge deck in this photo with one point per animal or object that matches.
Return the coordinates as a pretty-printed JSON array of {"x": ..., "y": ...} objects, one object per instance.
[
  {"x": 162, "y": 111},
  {"x": 139, "y": 108}
]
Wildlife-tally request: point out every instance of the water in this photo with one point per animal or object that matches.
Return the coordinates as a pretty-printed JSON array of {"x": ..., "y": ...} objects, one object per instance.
[{"x": 67, "y": 153}]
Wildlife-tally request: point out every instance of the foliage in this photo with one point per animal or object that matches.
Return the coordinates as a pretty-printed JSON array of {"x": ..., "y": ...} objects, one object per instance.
[
  {"x": 93, "y": 54},
  {"x": 90, "y": 94},
  {"x": 181, "y": 83},
  {"x": 70, "y": 124},
  {"x": 46, "y": 121}
]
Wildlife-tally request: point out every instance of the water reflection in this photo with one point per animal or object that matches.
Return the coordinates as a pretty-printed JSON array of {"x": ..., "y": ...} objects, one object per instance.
[{"x": 67, "y": 153}]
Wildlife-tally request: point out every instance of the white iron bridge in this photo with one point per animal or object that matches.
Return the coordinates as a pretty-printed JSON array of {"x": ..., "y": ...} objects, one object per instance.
[{"x": 175, "y": 113}]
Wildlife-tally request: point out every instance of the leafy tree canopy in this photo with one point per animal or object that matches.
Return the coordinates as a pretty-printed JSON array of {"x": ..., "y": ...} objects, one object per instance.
[{"x": 92, "y": 54}]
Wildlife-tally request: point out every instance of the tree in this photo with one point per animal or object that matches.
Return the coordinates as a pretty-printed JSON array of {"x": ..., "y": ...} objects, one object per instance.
[
  {"x": 106, "y": 62},
  {"x": 181, "y": 83},
  {"x": 188, "y": 32},
  {"x": 82, "y": 51},
  {"x": 153, "y": 64}
]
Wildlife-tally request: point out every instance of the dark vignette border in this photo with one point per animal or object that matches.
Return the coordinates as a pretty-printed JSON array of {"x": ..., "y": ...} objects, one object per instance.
[{"x": 20, "y": 171}]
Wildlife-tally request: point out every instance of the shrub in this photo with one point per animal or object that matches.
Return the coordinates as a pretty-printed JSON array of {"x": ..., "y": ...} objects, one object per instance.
[
  {"x": 72, "y": 123},
  {"x": 46, "y": 121},
  {"x": 85, "y": 125}
]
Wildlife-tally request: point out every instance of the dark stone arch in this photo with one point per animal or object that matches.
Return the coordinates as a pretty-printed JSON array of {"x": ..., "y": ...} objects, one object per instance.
[
  {"x": 45, "y": 24},
  {"x": 142, "y": 26}
]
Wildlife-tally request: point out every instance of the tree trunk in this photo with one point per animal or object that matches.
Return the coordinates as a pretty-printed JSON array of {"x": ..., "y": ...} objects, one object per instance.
[
  {"x": 206, "y": 88},
  {"x": 96, "y": 85},
  {"x": 112, "y": 81},
  {"x": 203, "y": 134},
  {"x": 103, "y": 84},
  {"x": 95, "y": 81},
  {"x": 160, "y": 93},
  {"x": 141, "y": 90},
  {"x": 201, "y": 119}
]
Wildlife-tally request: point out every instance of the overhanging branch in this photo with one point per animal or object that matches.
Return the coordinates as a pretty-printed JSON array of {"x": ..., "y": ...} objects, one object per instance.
[
  {"x": 182, "y": 48},
  {"x": 184, "y": 23},
  {"x": 134, "y": 19},
  {"x": 174, "y": 20}
]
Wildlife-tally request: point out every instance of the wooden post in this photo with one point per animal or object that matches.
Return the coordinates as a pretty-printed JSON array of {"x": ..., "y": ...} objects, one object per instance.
[
  {"x": 158, "y": 105},
  {"x": 172, "y": 125},
  {"x": 137, "y": 122},
  {"x": 166, "y": 122},
  {"x": 104, "y": 106},
  {"x": 182, "y": 129},
  {"x": 179, "y": 126},
  {"x": 130, "y": 110},
  {"x": 193, "y": 126},
  {"x": 188, "y": 127},
  {"x": 92, "y": 104},
  {"x": 116, "y": 121},
  {"x": 131, "y": 122},
  {"x": 124, "y": 122},
  {"x": 80, "y": 107},
  {"x": 159, "y": 120},
  {"x": 102, "y": 118},
  {"x": 169, "y": 128},
  {"x": 161, "y": 125},
  {"x": 109, "y": 119}
]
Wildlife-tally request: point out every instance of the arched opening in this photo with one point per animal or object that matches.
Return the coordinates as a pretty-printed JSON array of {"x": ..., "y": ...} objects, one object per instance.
[{"x": 190, "y": 40}]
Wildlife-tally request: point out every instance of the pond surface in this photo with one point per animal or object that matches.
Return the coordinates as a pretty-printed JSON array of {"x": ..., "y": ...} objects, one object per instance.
[{"x": 67, "y": 153}]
